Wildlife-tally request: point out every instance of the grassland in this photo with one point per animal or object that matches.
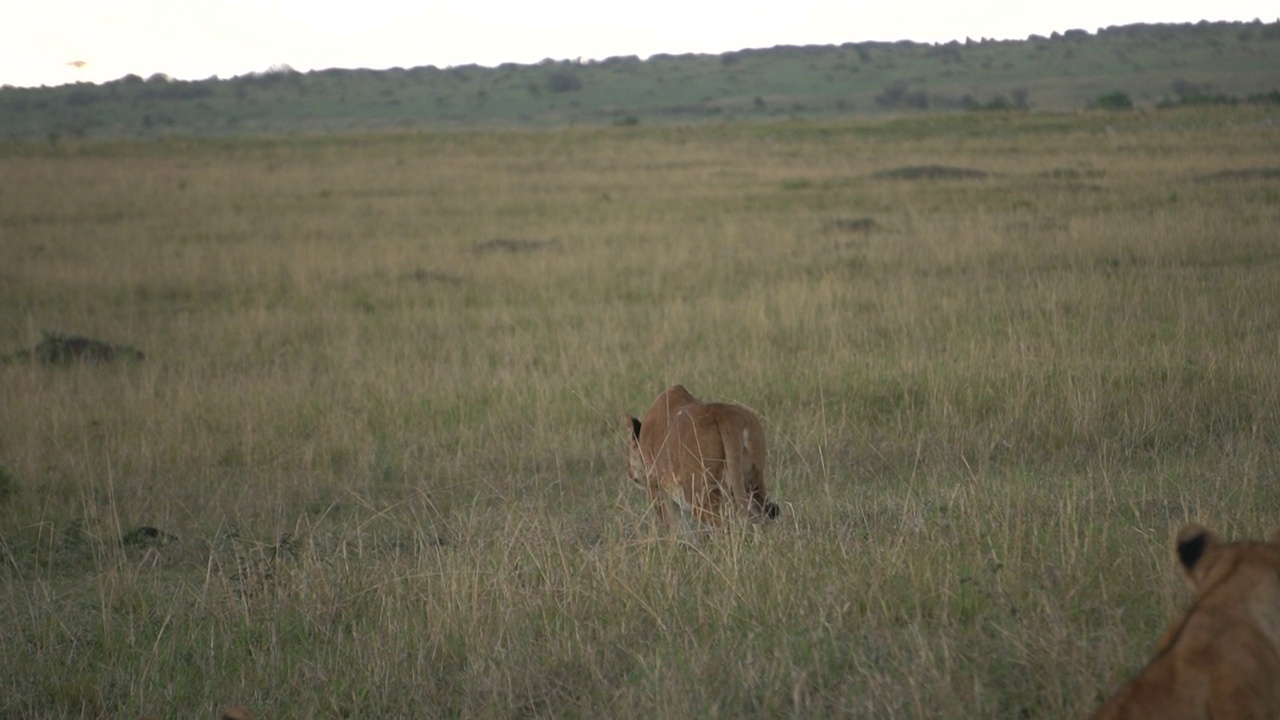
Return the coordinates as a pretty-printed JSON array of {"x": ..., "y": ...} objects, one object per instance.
[
  {"x": 1068, "y": 71},
  {"x": 378, "y": 426}
]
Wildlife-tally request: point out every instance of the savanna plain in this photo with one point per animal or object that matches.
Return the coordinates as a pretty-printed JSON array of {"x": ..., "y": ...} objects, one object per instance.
[{"x": 378, "y": 431}]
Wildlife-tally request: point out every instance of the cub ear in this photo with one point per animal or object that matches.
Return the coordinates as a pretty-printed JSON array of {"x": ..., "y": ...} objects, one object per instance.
[
  {"x": 1193, "y": 540},
  {"x": 634, "y": 422}
]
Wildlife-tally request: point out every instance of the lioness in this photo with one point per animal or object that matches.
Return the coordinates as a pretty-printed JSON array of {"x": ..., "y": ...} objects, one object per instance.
[
  {"x": 1221, "y": 659},
  {"x": 695, "y": 455}
]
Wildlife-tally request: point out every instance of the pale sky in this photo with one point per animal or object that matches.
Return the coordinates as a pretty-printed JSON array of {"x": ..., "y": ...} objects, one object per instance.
[{"x": 197, "y": 39}]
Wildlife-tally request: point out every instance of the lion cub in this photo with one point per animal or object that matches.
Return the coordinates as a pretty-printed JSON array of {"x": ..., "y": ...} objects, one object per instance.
[
  {"x": 1221, "y": 659},
  {"x": 696, "y": 456}
]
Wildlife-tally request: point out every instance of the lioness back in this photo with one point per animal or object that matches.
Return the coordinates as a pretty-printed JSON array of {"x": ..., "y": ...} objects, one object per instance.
[
  {"x": 700, "y": 457},
  {"x": 1221, "y": 659}
]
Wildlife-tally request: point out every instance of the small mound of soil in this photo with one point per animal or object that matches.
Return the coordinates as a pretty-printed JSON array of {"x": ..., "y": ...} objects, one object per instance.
[
  {"x": 57, "y": 349},
  {"x": 1241, "y": 174},
  {"x": 851, "y": 224},
  {"x": 431, "y": 276},
  {"x": 512, "y": 245},
  {"x": 147, "y": 536},
  {"x": 929, "y": 172}
]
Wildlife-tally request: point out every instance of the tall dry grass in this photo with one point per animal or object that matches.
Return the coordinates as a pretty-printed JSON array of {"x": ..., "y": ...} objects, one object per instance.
[{"x": 380, "y": 412}]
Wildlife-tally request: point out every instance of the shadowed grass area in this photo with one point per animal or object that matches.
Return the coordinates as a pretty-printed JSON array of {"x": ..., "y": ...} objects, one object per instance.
[{"x": 377, "y": 429}]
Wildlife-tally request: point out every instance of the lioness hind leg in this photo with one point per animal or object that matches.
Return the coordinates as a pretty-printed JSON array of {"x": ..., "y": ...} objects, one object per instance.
[
  {"x": 759, "y": 498},
  {"x": 737, "y": 464}
]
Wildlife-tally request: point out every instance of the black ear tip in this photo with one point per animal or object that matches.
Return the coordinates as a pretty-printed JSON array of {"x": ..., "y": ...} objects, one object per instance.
[
  {"x": 635, "y": 426},
  {"x": 1191, "y": 547},
  {"x": 771, "y": 510}
]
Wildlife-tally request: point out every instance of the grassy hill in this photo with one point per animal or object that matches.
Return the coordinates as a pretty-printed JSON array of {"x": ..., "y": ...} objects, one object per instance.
[{"x": 1148, "y": 64}]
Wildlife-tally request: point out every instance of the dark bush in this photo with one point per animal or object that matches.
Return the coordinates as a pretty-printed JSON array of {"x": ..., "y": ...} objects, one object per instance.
[
  {"x": 564, "y": 80},
  {"x": 1118, "y": 100},
  {"x": 999, "y": 102},
  {"x": 1185, "y": 88},
  {"x": 899, "y": 94}
]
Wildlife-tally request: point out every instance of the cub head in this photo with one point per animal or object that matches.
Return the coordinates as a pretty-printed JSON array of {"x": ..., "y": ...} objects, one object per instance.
[{"x": 1206, "y": 560}]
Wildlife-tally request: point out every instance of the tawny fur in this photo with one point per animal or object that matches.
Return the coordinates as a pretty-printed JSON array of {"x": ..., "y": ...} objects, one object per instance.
[
  {"x": 706, "y": 457},
  {"x": 1221, "y": 659}
]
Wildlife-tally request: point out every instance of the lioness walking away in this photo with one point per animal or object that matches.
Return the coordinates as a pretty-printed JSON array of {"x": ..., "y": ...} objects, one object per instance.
[
  {"x": 697, "y": 456},
  {"x": 1221, "y": 659}
]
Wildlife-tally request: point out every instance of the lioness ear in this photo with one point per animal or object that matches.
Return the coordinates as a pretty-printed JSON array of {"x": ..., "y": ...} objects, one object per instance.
[
  {"x": 1193, "y": 540},
  {"x": 635, "y": 426}
]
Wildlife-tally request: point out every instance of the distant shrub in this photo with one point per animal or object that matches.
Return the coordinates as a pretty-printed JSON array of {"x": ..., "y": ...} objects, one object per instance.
[
  {"x": 564, "y": 80},
  {"x": 176, "y": 90},
  {"x": 1198, "y": 99},
  {"x": 1271, "y": 98},
  {"x": 1185, "y": 88},
  {"x": 83, "y": 94},
  {"x": 899, "y": 94},
  {"x": 999, "y": 102},
  {"x": 1117, "y": 100}
]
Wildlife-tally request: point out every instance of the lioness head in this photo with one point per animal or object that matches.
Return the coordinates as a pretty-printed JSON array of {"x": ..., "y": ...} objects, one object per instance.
[{"x": 635, "y": 461}]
